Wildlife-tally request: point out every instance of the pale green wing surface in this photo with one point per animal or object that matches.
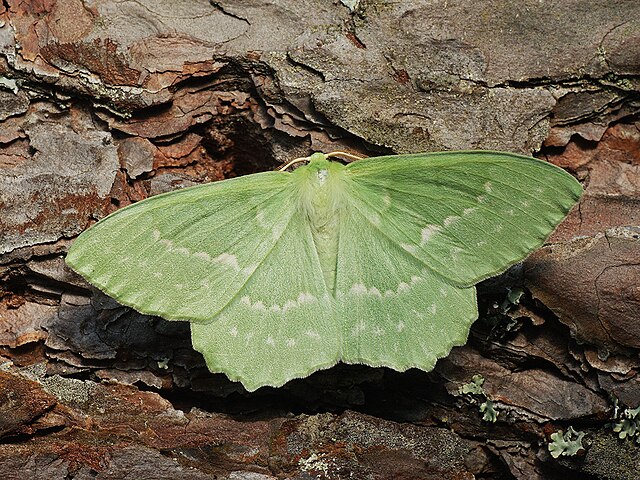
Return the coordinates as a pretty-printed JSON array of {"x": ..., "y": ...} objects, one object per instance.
[
  {"x": 394, "y": 311},
  {"x": 184, "y": 255},
  {"x": 281, "y": 324},
  {"x": 465, "y": 215}
]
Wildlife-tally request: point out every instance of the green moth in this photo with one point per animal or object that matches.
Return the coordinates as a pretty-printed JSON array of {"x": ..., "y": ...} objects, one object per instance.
[{"x": 285, "y": 273}]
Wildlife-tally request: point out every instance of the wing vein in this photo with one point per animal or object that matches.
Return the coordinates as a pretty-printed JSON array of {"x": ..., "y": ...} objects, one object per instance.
[{"x": 393, "y": 242}]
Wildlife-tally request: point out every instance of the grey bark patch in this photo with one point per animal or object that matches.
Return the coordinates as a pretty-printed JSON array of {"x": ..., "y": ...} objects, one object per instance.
[
  {"x": 409, "y": 75},
  {"x": 21, "y": 402},
  {"x": 136, "y": 155},
  {"x": 532, "y": 392},
  {"x": 408, "y": 121},
  {"x": 603, "y": 273},
  {"x": 611, "y": 459},
  {"x": 12, "y": 103},
  {"x": 25, "y": 324},
  {"x": 369, "y": 447},
  {"x": 54, "y": 192}
]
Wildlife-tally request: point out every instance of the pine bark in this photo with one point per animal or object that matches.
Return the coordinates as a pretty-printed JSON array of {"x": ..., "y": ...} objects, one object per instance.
[{"x": 105, "y": 103}]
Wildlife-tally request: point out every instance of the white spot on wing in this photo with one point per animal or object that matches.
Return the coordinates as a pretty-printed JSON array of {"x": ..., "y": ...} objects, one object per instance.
[
  {"x": 250, "y": 269},
  {"x": 202, "y": 255},
  {"x": 305, "y": 297},
  {"x": 322, "y": 176},
  {"x": 233, "y": 331},
  {"x": 387, "y": 200},
  {"x": 403, "y": 286},
  {"x": 228, "y": 260},
  {"x": 313, "y": 334},
  {"x": 182, "y": 250},
  {"x": 261, "y": 220},
  {"x": 287, "y": 305},
  {"x": 358, "y": 328},
  {"x": 270, "y": 341},
  {"x": 428, "y": 232},
  {"x": 358, "y": 289},
  {"x": 374, "y": 218},
  {"x": 88, "y": 269},
  {"x": 408, "y": 248},
  {"x": 487, "y": 187},
  {"x": 277, "y": 229},
  {"x": 291, "y": 342},
  {"x": 166, "y": 243},
  {"x": 400, "y": 326},
  {"x": 449, "y": 220},
  {"x": 103, "y": 280},
  {"x": 156, "y": 234},
  {"x": 469, "y": 211}
]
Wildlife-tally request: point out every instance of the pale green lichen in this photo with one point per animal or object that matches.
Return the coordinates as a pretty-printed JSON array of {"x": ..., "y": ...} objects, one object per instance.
[
  {"x": 504, "y": 316},
  {"x": 628, "y": 422},
  {"x": 566, "y": 444},
  {"x": 490, "y": 414},
  {"x": 474, "y": 387},
  {"x": 9, "y": 84},
  {"x": 164, "y": 363},
  {"x": 350, "y": 4},
  {"x": 514, "y": 296}
]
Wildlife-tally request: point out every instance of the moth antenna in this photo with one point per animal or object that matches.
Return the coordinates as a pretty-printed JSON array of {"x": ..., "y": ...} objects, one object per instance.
[
  {"x": 293, "y": 162},
  {"x": 348, "y": 155}
]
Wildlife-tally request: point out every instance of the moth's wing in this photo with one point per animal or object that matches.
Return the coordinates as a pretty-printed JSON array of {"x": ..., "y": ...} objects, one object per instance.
[
  {"x": 464, "y": 215},
  {"x": 394, "y": 311},
  {"x": 234, "y": 257},
  {"x": 281, "y": 324},
  {"x": 186, "y": 254}
]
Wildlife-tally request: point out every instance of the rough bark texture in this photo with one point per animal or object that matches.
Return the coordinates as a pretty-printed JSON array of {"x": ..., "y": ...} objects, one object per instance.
[{"x": 107, "y": 102}]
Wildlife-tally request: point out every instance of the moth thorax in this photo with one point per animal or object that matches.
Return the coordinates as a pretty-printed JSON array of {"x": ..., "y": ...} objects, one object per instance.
[
  {"x": 321, "y": 202},
  {"x": 322, "y": 175},
  {"x": 321, "y": 199}
]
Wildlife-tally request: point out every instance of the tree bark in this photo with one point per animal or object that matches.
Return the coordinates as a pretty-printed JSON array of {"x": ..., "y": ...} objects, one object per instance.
[{"x": 105, "y": 103}]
